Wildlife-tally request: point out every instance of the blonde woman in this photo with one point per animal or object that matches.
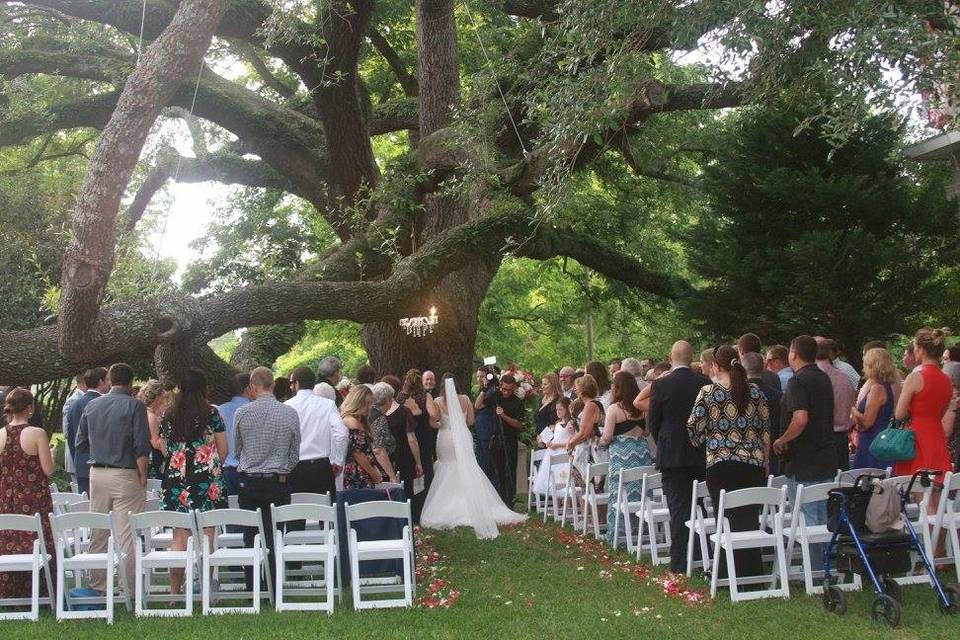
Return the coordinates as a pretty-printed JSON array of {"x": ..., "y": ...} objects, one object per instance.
[
  {"x": 546, "y": 415},
  {"x": 360, "y": 471},
  {"x": 155, "y": 397},
  {"x": 872, "y": 413}
]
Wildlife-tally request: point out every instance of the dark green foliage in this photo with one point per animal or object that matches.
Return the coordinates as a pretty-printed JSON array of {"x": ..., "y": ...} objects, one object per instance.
[{"x": 851, "y": 247}]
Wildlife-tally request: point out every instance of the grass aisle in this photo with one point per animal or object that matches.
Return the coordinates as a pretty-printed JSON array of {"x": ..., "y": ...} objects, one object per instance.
[{"x": 535, "y": 582}]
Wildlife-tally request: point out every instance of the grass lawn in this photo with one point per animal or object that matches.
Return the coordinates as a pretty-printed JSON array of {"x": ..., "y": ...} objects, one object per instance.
[{"x": 529, "y": 584}]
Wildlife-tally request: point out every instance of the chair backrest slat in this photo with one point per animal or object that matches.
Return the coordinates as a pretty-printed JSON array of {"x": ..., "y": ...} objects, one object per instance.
[
  {"x": 752, "y": 495},
  {"x": 226, "y": 517},
  {"x": 17, "y": 522},
  {"x": 286, "y": 513},
  {"x": 813, "y": 493},
  {"x": 377, "y": 509},
  {"x": 310, "y": 498},
  {"x": 81, "y": 520},
  {"x": 160, "y": 519}
]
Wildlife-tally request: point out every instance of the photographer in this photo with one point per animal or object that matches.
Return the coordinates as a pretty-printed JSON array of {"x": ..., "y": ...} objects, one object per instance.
[
  {"x": 505, "y": 412},
  {"x": 486, "y": 417}
]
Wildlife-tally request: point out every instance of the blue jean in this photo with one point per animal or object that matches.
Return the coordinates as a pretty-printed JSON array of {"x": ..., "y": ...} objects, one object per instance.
[
  {"x": 484, "y": 459},
  {"x": 814, "y": 513}
]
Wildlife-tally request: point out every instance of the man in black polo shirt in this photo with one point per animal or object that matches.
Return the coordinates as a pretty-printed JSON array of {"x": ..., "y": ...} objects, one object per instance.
[
  {"x": 807, "y": 416},
  {"x": 510, "y": 411}
]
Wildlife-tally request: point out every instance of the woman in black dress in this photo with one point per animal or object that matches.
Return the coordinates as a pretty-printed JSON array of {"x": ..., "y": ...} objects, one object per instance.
[
  {"x": 406, "y": 458},
  {"x": 427, "y": 418},
  {"x": 546, "y": 415}
]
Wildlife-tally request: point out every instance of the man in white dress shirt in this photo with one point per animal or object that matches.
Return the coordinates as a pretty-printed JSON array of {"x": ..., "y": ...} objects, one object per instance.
[{"x": 323, "y": 437}]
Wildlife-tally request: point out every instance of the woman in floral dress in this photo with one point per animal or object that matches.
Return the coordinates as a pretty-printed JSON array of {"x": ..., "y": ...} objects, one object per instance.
[
  {"x": 194, "y": 444},
  {"x": 360, "y": 470},
  {"x": 25, "y": 466}
]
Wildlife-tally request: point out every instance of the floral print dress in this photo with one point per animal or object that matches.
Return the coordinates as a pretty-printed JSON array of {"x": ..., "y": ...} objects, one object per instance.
[
  {"x": 354, "y": 476},
  {"x": 193, "y": 479}
]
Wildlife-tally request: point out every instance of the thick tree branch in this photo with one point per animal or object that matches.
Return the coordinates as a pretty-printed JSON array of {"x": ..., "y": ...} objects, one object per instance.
[
  {"x": 252, "y": 57},
  {"x": 93, "y": 111},
  {"x": 407, "y": 80},
  {"x": 88, "y": 260},
  {"x": 394, "y": 115}
]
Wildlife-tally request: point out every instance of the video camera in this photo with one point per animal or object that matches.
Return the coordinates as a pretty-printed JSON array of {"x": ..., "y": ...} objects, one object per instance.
[{"x": 491, "y": 374}]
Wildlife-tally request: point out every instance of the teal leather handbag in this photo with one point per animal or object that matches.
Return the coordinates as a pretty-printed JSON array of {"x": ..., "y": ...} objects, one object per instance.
[{"x": 896, "y": 443}]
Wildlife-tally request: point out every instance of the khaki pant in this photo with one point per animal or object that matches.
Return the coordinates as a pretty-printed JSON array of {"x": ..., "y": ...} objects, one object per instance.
[{"x": 116, "y": 490}]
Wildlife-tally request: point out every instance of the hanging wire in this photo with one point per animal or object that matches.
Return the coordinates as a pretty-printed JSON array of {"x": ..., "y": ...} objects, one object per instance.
[
  {"x": 503, "y": 98},
  {"x": 143, "y": 21}
]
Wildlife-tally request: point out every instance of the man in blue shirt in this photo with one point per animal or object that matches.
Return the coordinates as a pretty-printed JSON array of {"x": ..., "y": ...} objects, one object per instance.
[
  {"x": 97, "y": 384},
  {"x": 242, "y": 394}
]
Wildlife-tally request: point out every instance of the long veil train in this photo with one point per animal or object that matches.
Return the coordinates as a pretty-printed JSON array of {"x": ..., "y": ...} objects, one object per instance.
[{"x": 461, "y": 495}]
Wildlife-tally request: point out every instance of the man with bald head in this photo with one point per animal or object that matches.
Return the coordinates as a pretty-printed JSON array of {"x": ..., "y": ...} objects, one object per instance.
[{"x": 671, "y": 402}]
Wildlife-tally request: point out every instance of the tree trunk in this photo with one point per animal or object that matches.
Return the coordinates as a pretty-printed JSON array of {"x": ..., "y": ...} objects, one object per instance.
[{"x": 451, "y": 345}]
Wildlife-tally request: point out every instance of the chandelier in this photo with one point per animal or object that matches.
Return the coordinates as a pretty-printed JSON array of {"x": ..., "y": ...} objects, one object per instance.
[{"x": 419, "y": 326}]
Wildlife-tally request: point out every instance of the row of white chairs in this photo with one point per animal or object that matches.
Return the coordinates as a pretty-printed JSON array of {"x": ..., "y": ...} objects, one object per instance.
[{"x": 315, "y": 550}]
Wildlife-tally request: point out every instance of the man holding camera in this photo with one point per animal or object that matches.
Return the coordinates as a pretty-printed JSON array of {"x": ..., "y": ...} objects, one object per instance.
[{"x": 500, "y": 418}]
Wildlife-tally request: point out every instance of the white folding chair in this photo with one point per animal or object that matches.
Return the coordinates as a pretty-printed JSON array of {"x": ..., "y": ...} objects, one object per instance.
[
  {"x": 149, "y": 558},
  {"x": 654, "y": 519},
  {"x": 75, "y": 486},
  {"x": 700, "y": 526},
  {"x": 61, "y": 500},
  {"x": 625, "y": 508},
  {"x": 220, "y": 556},
  {"x": 322, "y": 550},
  {"x": 596, "y": 474},
  {"x": 571, "y": 494},
  {"x": 947, "y": 520},
  {"x": 726, "y": 541},
  {"x": 766, "y": 515},
  {"x": 800, "y": 532},
  {"x": 537, "y": 457},
  {"x": 154, "y": 485},
  {"x": 70, "y": 530},
  {"x": 395, "y": 549},
  {"x": 80, "y": 506},
  {"x": 923, "y": 523},
  {"x": 313, "y": 498},
  {"x": 850, "y": 476},
  {"x": 35, "y": 561},
  {"x": 556, "y": 483}
]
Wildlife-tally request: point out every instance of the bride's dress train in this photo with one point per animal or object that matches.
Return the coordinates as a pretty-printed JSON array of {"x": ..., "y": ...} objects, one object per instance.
[{"x": 461, "y": 494}]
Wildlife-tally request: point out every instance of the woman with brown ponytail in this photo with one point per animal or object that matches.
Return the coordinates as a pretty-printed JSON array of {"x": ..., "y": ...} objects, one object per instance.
[{"x": 731, "y": 418}]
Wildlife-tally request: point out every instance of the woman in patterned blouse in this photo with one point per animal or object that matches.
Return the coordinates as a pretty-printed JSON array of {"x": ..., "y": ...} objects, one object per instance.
[{"x": 732, "y": 419}]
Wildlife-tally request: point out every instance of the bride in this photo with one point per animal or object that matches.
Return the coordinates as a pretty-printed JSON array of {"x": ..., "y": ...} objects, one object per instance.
[{"x": 461, "y": 495}]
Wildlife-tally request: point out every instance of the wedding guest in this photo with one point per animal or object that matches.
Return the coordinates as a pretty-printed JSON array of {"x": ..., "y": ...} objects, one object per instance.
[
  {"x": 671, "y": 400},
  {"x": 323, "y": 437},
  {"x": 632, "y": 366},
  {"x": 750, "y": 343},
  {"x": 97, "y": 385},
  {"x": 911, "y": 362},
  {"x": 707, "y": 363},
  {"x": 26, "y": 464},
  {"x": 505, "y": 443},
  {"x": 615, "y": 366},
  {"x": 68, "y": 461},
  {"x": 925, "y": 397},
  {"x": 875, "y": 408},
  {"x": 360, "y": 470},
  {"x": 383, "y": 442},
  {"x": 194, "y": 444},
  {"x": 599, "y": 373},
  {"x": 844, "y": 398},
  {"x": 281, "y": 389},
  {"x": 848, "y": 370},
  {"x": 546, "y": 415},
  {"x": 429, "y": 382},
  {"x": 328, "y": 374},
  {"x": 646, "y": 364},
  {"x": 566, "y": 382},
  {"x": 563, "y": 430},
  {"x": 267, "y": 444},
  {"x": 424, "y": 410},
  {"x": 950, "y": 430},
  {"x": 624, "y": 433},
  {"x": 114, "y": 433},
  {"x": 753, "y": 364},
  {"x": 952, "y": 354},
  {"x": 730, "y": 418},
  {"x": 400, "y": 421},
  {"x": 242, "y": 393},
  {"x": 777, "y": 362},
  {"x": 807, "y": 439},
  {"x": 367, "y": 375},
  {"x": 589, "y": 417},
  {"x": 154, "y": 397}
]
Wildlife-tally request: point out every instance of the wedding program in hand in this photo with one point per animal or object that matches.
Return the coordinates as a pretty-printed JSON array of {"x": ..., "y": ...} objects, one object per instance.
[{"x": 461, "y": 494}]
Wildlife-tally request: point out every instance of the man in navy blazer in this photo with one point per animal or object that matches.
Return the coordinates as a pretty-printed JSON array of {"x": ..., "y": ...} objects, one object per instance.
[
  {"x": 97, "y": 385},
  {"x": 679, "y": 462}
]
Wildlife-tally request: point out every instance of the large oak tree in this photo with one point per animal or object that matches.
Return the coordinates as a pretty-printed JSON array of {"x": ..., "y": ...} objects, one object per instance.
[{"x": 575, "y": 81}]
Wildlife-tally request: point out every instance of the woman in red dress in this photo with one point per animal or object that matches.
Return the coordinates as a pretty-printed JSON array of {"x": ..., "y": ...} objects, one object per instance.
[
  {"x": 25, "y": 465},
  {"x": 924, "y": 399}
]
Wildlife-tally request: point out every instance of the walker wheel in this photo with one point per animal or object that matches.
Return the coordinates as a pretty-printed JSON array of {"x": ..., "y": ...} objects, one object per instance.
[
  {"x": 892, "y": 589},
  {"x": 885, "y": 609},
  {"x": 834, "y": 600},
  {"x": 952, "y": 592}
]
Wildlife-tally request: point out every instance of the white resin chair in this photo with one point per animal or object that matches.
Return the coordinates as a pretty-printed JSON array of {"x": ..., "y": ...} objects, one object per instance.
[
  {"x": 149, "y": 558},
  {"x": 61, "y": 500},
  {"x": 726, "y": 541},
  {"x": 947, "y": 520},
  {"x": 556, "y": 483},
  {"x": 70, "y": 533},
  {"x": 596, "y": 474},
  {"x": 799, "y": 532},
  {"x": 221, "y": 556},
  {"x": 395, "y": 549},
  {"x": 701, "y": 525},
  {"x": 654, "y": 520},
  {"x": 321, "y": 549},
  {"x": 537, "y": 457},
  {"x": 33, "y": 563},
  {"x": 850, "y": 476},
  {"x": 625, "y": 507}
]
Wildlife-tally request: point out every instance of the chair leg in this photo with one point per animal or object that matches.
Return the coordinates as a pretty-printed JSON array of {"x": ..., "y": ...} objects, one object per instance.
[
  {"x": 61, "y": 576},
  {"x": 35, "y": 588},
  {"x": 704, "y": 547},
  {"x": 717, "y": 550},
  {"x": 110, "y": 589},
  {"x": 955, "y": 543},
  {"x": 807, "y": 564},
  {"x": 355, "y": 578},
  {"x": 407, "y": 580},
  {"x": 205, "y": 583},
  {"x": 652, "y": 537},
  {"x": 280, "y": 574},
  {"x": 782, "y": 563},
  {"x": 329, "y": 579},
  {"x": 257, "y": 568},
  {"x": 732, "y": 574},
  {"x": 690, "y": 534}
]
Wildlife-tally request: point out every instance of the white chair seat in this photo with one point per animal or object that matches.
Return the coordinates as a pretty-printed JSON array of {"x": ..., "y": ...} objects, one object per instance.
[
  {"x": 18, "y": 562},
  {"x": 234, "y": 556},
  {"x": 301, "y": 552},
  {"x": 156, "y": 559},
  {"x": 747, "y": 539},
  {"x": 86, "y": 561},
  {"x": 372, "y": 547}
]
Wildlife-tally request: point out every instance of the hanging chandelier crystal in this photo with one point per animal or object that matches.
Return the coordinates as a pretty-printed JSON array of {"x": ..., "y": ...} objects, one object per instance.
[{"x": 419, "y": 326}]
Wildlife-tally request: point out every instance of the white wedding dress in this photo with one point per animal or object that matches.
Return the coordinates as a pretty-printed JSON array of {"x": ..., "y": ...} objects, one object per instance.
[{"x": 461, "y": 495}]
